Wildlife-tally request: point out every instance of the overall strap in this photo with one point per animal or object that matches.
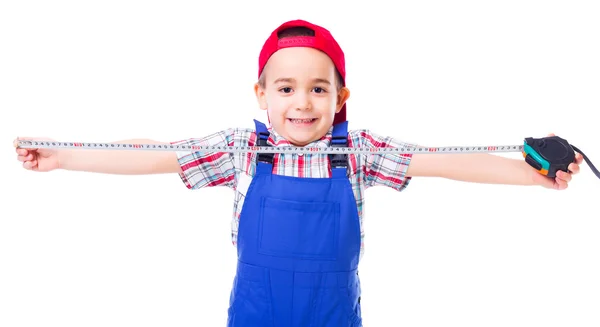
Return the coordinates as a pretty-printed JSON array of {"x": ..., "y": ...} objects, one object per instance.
[
  {"x": 339, "y": 161},
  {"x": 262, "y": 135}
]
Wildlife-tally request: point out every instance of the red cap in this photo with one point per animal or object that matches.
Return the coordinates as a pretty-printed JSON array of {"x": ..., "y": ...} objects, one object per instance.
[{"x": 323, "y": 40}]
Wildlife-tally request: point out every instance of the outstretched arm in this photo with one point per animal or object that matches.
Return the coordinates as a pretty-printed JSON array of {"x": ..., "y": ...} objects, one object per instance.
[
  {"x": 488, "y": 169},
  {"x": 99, "y": 161},
  {"x": 119, "y": 161}
]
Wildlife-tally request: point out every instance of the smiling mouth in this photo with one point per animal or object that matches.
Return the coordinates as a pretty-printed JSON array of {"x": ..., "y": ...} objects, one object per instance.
[{"x": 302, "y": 121}]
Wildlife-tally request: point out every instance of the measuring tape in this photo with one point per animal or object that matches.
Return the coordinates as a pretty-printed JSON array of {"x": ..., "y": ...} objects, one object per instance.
[{"x": 547, "y": 155}]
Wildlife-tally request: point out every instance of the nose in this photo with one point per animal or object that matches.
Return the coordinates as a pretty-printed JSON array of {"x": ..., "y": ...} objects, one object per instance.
[{"x": 302, "y": 101}]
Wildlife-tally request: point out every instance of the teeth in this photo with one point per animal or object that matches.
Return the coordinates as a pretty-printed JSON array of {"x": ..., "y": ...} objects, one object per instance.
[{"x": 301, "y": 121}]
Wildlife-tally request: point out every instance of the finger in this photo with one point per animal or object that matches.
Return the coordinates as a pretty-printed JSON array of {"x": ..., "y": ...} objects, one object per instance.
[
  {"x": 25, "y": 158},
  {"x": 25, "y": 149},
  {"x": 551, "y": 134},
  {"x": 578, "y": 158},
  {"x": 564, "y": 176},
  {"x": 22, "y": 152},
  {"x": 574, "y": 168},
  {"x": 560, "y": 184},
  {"x": 30, "y": 165}
]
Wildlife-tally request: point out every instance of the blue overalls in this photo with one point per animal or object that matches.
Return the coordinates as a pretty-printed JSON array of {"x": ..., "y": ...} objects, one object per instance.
[{"x": 298, "y": 247}]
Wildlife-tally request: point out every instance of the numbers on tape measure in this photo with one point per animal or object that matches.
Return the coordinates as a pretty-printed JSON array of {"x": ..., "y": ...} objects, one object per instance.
[
  {"x": 268, "y": 149},
  {"x": 547, "y": 155}
]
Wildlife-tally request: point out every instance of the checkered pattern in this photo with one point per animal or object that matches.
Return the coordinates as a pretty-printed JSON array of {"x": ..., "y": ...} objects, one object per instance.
[{"x": 202, "y": 169}]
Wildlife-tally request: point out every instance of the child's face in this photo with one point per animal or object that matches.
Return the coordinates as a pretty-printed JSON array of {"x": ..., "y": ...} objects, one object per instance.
[{"x": 300, "y": 94}]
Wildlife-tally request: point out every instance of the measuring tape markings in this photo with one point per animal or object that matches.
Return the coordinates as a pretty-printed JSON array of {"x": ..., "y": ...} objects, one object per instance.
[
  {"x": 267, "y": 149},
  {"x": 547, "y": 155}
]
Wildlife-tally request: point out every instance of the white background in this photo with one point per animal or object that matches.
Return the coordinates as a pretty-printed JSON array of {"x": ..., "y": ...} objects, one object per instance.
[{"x": 83, "y": 249}]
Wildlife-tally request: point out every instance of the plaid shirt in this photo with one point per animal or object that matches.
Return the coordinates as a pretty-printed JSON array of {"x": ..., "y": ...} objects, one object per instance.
[{"x": 203, "y": 169}]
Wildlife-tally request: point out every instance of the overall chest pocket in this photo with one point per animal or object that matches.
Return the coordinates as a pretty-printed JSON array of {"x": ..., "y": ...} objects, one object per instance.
[{"x": 294, "y": 229}]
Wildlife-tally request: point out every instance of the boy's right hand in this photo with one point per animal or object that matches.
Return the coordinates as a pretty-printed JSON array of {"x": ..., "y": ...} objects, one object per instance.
[
  {"x": 99, "y": 161},
  {"x": 37, "y": 159}
]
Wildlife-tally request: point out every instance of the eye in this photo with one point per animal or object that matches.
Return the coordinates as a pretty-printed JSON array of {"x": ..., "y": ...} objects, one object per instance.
[
  {"x": 285, "y": 89},
  {"x": 319, "y": 90}
]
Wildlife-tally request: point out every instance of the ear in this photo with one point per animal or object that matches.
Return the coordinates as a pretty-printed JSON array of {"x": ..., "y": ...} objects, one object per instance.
[
  {"x": 260, "y": 96},
  {"x": 342, "y": 97}
]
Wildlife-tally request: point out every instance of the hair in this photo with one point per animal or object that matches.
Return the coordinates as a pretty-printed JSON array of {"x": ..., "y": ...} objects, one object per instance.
[{"x": 300, "y": 31}]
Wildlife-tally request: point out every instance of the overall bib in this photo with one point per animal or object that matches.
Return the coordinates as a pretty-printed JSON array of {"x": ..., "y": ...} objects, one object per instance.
[{"x": 298, "y": 248}]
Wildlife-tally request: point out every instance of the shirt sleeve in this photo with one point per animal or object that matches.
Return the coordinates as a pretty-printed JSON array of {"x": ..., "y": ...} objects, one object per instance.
[
  {"x": 385, "y": 169},
  {"x": 203, "y": 169}
]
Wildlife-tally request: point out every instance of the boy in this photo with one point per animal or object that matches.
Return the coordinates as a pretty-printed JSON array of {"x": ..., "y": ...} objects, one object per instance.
[{"x": 297, "y": 221}]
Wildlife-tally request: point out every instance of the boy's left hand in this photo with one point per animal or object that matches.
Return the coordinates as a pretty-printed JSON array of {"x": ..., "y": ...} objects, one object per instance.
[{"x": 562, "y": 179}]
